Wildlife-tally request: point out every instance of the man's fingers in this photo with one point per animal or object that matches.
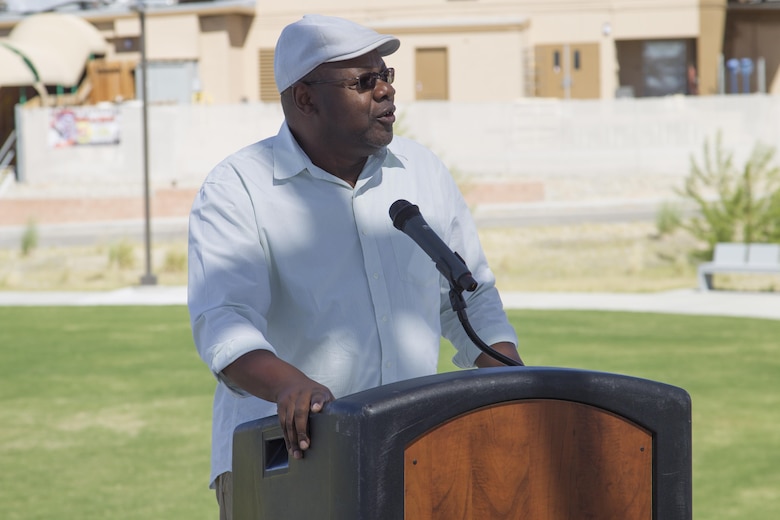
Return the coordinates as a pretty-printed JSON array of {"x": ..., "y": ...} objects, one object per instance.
[
  {"x": 294, "y": 412},
  {"x": 302, "y": 425},
  {"x": 286, "y": 420},
  {"x": 319, "y": 400}
]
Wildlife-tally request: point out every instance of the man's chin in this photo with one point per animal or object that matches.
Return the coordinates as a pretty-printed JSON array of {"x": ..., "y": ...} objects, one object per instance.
[{"x": 387, "y": 137}]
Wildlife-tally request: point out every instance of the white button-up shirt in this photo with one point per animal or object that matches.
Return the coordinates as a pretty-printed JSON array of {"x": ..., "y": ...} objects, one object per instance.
[{"x": 286, "y": 257}]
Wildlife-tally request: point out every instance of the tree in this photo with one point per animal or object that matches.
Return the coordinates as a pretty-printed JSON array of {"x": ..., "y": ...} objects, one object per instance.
[{"x": 734, "y": 205}]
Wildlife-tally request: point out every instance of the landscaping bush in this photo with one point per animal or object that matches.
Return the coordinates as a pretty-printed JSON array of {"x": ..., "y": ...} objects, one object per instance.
[{"x": 735, "y": 205}]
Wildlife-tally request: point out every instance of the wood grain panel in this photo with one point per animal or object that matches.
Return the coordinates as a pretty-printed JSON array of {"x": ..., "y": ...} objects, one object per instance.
[{"x": 531, "y": 459}]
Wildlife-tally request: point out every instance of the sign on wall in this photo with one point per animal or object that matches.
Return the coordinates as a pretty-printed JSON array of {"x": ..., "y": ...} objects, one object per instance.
[{"x": 74, "y": 126}]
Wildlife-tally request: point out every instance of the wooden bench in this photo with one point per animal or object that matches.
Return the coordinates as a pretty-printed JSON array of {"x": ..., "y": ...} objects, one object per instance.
[{"x": 740, "y": 258}]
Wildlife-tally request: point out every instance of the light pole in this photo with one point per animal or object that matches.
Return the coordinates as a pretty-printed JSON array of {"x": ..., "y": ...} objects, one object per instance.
[{"x": 148, "y": 278}]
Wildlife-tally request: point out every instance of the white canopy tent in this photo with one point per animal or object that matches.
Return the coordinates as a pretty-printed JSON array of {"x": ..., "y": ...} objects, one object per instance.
[
  {"x": 48, "y": 49},
  {"x": 60, "y": 31},
  {"x": 51, "y": 68},
  {"x": 15, "y": 71}
]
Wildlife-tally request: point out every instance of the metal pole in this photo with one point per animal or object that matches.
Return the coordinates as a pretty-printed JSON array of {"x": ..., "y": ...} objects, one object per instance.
[
  {"x": 566, "y": 72},
  {"x": 20, "y": 170},
  {"x": 148, "y": 278}
]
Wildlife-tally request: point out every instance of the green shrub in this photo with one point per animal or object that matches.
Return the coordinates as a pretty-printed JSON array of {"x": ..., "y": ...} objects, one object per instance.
[
  {"x": 669, "y": 218},
  {"x": 734, "y": 205},
  {"x": 774, "y": 216},
  {"x": 122, "y": 255},
  {"x": 175, "y": 261},
  {"x": 29, "y": 238}
]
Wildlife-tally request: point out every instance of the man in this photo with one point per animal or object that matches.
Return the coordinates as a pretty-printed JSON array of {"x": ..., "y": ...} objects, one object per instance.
[{"x": 300, "y": 288}]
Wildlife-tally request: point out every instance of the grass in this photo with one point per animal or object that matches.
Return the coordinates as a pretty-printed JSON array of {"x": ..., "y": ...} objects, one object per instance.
[
  {"x": 92, "y": 267},
  {"x": 616, "y": 257},
  {"x": 105, "y": 411},
  {"x": 731, "y": 368},
  {"x": 105, "y": 414}
]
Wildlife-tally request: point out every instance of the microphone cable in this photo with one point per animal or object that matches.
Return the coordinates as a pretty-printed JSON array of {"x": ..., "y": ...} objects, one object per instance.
[{"x": 458, "y": 304}]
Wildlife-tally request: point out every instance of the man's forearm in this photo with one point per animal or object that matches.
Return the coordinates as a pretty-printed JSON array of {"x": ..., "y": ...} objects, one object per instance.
[
  {"x": 506, "y": 348},
  {"x": 262, "y": 374}
]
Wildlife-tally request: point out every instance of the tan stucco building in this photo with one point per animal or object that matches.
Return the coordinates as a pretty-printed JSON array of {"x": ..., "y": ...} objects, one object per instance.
[
  {"x": 457, "y": 50},
  {"x": 463, "y": 50},
  {"x": 482, "y": 83}
]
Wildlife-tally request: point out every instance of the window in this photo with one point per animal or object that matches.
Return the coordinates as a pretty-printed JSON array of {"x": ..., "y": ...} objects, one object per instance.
[{"x": 267, "y": 81}]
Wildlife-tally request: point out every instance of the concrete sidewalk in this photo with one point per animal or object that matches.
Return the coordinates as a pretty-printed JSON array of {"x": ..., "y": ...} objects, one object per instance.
[
  {"x": 137, "y": 295},
  {"x": 682, "y": 301},
  {"x": 685, "y": 301}
]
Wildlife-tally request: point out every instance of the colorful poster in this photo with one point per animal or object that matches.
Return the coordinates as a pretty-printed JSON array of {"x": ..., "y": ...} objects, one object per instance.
[{"x": 73, "y": 126}]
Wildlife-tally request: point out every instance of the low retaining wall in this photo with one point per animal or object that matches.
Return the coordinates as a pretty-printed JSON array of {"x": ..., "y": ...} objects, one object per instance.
[{"x": 552, "y": 150}]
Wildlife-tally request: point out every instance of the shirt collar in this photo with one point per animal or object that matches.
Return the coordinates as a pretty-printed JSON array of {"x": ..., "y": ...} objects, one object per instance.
[{"x": 290, "y": 159}]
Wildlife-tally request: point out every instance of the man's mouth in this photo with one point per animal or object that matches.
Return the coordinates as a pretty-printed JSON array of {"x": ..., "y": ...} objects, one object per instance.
[{"x": 388, "y": 116}]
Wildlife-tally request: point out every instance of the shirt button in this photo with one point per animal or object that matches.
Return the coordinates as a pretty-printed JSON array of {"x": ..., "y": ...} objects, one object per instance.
[
  {"x": 384, "y": 318},
  {"x": 376, "y": 276},
  {"x": 388, "y": 364}
]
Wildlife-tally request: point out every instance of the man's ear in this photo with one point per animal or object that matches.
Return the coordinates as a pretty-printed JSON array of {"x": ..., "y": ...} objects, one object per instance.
[{"x": 302, "y": 98}]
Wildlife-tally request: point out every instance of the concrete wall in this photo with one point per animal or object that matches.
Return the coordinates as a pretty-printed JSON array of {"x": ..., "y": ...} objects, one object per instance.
[
  {"x": 185, "y": 142},
  {"x": 603, "y": 148}
]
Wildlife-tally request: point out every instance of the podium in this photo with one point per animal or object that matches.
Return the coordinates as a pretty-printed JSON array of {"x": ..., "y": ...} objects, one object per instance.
[{"x": 489, "y": 444}]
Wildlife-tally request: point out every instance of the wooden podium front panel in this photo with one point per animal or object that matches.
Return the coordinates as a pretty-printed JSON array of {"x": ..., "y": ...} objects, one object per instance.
[{"x": 531, "y": 460}]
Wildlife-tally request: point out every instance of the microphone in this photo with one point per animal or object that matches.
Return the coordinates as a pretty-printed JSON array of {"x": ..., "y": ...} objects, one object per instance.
[{"x": 407, "y": 218}]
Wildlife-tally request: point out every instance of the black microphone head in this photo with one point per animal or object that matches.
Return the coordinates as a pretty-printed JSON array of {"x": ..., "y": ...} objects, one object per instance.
[{"x": 401, "y": 211}]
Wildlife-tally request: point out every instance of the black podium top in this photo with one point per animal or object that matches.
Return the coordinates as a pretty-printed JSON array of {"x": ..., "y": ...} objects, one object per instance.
[{"x": 358, "y": 440}]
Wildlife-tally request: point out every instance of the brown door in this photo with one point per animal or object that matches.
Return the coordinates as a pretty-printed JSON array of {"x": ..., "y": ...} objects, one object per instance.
[
  {"x": 568, "y": 71},
  {"x": 110, "y": 80},
  {"x": 431, "y": 74}
]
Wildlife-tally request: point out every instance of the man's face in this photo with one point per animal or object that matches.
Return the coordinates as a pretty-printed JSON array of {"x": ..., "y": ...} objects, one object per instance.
[{"x": 353, "y": 121}]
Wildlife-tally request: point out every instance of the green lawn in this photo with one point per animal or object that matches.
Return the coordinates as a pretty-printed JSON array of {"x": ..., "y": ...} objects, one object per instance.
[
  {"x": 105, "y": 411},
  {"x": 104, "y": 414}
]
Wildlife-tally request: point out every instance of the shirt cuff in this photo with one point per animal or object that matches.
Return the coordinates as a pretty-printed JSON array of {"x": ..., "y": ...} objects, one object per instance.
[
  {"x": 227, "y": 352},
  {"x": 467, "y": 354}
]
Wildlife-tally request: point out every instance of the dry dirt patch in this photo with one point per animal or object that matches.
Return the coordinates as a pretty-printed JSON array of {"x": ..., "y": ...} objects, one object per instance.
[{"x": 614, "y": 257}]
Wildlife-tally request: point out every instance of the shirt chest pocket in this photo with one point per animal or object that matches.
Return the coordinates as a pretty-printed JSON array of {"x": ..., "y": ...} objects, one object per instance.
[{"x": 414, "y": 265}]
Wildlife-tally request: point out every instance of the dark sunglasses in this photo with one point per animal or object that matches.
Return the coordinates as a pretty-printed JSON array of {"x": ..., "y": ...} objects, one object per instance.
[{"x": 366, "y": 81}]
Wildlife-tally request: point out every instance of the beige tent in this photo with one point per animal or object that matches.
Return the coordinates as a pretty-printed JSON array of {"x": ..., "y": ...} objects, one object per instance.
[
  {"x": 14, "y": 70},
  {"x": 58, "y": 45},
  {"x": 60, "y": 31},
  {"x": 52, "y": 68}
]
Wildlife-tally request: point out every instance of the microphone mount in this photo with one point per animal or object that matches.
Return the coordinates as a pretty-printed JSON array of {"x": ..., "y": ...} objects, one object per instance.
[{"x": 450, "y": 265}]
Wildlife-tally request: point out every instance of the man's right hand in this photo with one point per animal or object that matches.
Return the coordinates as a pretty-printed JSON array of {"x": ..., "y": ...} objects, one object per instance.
[
  {"x": 294, "y": 403},
  {"x": 266, "y": 376}
]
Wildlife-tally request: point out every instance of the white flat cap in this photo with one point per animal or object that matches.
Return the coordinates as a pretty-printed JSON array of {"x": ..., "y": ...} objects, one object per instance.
[{"x": 316, "y": 39}]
